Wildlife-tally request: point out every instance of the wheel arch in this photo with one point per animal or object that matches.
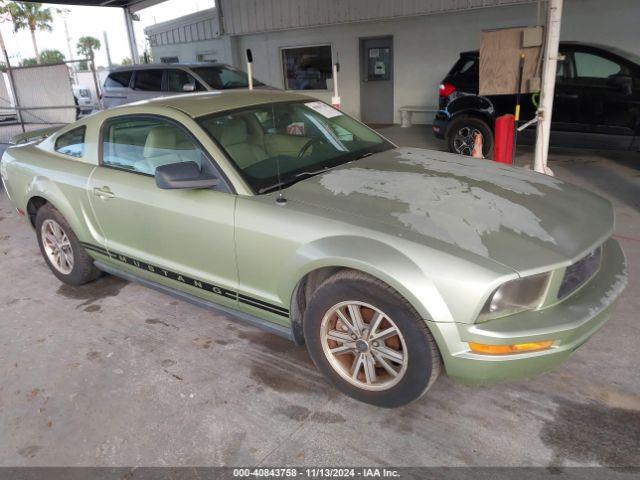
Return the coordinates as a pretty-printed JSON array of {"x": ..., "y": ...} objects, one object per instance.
[
  {"x": 471, "y": 106},
  {"x": 483, "y": 116},
  {"x": 316, "y": 262},
  {"x": 43, "y": 191}
]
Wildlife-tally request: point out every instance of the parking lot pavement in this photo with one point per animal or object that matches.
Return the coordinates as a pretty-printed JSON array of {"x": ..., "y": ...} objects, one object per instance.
[{"x": 115, "y": 374}]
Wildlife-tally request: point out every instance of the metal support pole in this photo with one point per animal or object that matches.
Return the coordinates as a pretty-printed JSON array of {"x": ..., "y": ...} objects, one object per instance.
[
  {"x": 250, "y": 68},
  {"x": 14, "y": 95},
  {"x": 131, "y": 35},
  {"x": 95, "y": 80},
  {"x": 517, "y": 111},
  {"x": 335, "y": 100},
  {"x": 106, "y": 46},
  {"x": 545, "y": 111}
]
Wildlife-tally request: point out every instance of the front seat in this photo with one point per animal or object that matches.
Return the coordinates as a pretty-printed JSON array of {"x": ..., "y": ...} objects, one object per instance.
[
  {"x": 160, "y": 148},
  {"x": 234, "y": 139}
]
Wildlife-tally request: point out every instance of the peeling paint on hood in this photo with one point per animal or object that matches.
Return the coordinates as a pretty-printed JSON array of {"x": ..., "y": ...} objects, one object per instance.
[
  {"x": 506, "y": 177},
  {"x": 464, "y": 206},
  {"x": 443, "y": 208}
]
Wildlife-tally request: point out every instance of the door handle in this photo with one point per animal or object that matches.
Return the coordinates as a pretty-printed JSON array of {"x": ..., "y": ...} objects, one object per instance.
[
  {"x": 103, "y": 193},
  {"x": 570, "y": 96}
]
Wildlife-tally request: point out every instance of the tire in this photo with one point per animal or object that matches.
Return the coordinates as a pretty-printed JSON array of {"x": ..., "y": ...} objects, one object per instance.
[
  {"x": 80, "y": 269},
  {"x": 456, "y": 132},
  {"x": 421, "y": 363}
]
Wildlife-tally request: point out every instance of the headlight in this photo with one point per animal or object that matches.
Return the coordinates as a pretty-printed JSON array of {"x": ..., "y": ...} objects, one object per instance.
[{"x": 516, "y": 296}]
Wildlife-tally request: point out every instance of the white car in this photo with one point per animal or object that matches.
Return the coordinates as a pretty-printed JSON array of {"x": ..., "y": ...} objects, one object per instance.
[
  {"x": 143, "y": 82},
  {"x": 83, "y": 99}
]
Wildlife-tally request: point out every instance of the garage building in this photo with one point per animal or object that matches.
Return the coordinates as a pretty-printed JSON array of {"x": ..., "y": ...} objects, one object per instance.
[{"x": 393, "y": 53}]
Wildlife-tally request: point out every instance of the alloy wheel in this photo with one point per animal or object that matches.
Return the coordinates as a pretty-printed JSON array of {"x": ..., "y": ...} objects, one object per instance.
[
  {"x": 363, "y": 345},
  {"x": 57, "y": 246},
  {"x": 464, "y": 140}
]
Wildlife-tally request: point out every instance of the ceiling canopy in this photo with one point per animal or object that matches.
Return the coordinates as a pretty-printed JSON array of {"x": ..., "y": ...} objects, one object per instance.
[{"x": 134, "y": 5}]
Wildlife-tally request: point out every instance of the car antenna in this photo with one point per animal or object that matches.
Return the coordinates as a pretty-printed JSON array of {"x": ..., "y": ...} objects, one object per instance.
[{"x": 280, "y": 200}]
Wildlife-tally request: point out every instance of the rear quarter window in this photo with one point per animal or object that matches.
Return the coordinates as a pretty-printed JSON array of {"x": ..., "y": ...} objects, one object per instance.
[
  {"x": 71, "y": 143},
  {"x": 118, "y": 80}
]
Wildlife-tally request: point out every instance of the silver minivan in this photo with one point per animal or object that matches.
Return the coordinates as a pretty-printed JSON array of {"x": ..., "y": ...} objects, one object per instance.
[{"x": 141, "y": 82}]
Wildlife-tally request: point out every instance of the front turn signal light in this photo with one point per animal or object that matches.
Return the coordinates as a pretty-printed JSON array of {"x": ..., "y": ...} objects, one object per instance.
[{"x": 506, "y": 349}]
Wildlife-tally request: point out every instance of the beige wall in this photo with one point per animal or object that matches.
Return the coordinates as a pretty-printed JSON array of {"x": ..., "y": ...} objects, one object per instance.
[{"x": 426, "y": 47}]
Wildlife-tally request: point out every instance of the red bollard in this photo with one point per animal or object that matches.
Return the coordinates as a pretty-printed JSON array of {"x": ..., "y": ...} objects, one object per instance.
[{"x": 503, "y": 148}]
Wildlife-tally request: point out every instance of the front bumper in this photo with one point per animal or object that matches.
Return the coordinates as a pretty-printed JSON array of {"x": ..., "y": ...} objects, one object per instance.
[
  {"x": 440, "y": 123},
  {"x": 569, "y": 324},
  {"x": 85, "y": 104}
]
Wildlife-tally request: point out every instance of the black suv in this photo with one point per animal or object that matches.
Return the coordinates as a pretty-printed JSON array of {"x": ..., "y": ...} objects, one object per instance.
[{"x": 596, "y": 103}]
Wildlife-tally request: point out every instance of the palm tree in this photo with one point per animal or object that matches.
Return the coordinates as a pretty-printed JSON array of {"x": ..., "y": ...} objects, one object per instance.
[
  {"x": 86, "y": 46},
  {"x": 30, "y": 16},
  {"x": 51, "y": 56}
]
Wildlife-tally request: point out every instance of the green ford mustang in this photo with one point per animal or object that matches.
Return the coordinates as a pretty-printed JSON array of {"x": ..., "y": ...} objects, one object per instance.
[{"x": 391, "y": 264}]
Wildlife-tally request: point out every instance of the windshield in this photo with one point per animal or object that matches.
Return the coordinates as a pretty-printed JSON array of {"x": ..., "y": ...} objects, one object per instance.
[
  {"x": 224, "y": 77},
  {"x": 278, "y": 144}
]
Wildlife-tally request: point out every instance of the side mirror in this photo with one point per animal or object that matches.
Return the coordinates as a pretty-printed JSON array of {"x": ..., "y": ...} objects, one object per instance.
[
  {"x": 622, "y": 82},
  {"x": 184, "y": 175},
  {"x": 189, "y": 87}
]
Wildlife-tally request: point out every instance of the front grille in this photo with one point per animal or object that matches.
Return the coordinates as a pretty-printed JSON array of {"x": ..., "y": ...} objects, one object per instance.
[{"x": 579, "y": 273}]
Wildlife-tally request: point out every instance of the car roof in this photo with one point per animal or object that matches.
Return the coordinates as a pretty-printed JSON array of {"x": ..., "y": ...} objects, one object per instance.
[
  {"x": 207, "y": 103},
  {"x": 606, "y": 48},
  {"x": 155, "y": 66}
]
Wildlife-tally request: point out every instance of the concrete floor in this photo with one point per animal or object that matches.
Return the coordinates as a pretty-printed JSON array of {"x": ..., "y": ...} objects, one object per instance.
[{"x": 114, "y": 374}]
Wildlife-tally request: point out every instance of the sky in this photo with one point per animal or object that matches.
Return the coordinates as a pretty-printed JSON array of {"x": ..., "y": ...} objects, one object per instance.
[{"x": 94, "y": 21}]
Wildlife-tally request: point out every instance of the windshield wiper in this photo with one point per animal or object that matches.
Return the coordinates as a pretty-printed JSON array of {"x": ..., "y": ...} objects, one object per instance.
[
  {"x": 276, "y": 185},
  {"x": 292, "y": 181},
  {"x": 364, "y": 155},
  {"x": 311, "y": 174}
]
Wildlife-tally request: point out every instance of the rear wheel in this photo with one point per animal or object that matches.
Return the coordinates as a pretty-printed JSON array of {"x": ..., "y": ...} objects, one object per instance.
[
  {"x": 369, "y": 342},
  {"x": 462, "y": 132},
  {"x": 61, "y": 248}
]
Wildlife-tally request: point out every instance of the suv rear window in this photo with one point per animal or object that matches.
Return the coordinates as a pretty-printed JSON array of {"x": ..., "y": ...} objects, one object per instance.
[
  {"x": 467, "y": 67},
  {"x": 118, "y": 79},
  {"x": 148, "y": 80}
]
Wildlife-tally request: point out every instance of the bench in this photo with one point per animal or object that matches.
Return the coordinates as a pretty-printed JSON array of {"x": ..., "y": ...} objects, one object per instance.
[{"x": 406, "y": 113}]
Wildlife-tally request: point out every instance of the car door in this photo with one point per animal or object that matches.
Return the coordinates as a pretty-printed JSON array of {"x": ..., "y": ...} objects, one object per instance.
[
  {"x": 566, "y": 99},
  {"x": 178, "y": 81},
  {"x": 607, "y": 109},
  {"x": 179, "y": 238},
  {"x": 146, "y": 84}
]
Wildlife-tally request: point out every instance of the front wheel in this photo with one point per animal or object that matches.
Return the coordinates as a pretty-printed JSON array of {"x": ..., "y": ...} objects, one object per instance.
[
  {"x": 369, "y": 342},
  {"x": 461, "y": 136}
]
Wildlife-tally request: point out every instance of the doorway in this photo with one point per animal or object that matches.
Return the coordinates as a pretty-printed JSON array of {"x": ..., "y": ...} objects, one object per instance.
[{"x": 376, "y": 80}]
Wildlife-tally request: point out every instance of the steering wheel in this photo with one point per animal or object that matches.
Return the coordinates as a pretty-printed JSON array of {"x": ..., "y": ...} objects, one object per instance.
[{"x": 308, "y": 145}]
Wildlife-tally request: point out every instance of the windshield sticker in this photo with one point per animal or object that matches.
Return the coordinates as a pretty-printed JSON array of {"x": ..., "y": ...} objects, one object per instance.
[{"x": 323, "y": 109}]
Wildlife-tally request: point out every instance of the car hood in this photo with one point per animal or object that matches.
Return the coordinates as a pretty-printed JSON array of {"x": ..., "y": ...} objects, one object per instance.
[{"x": 521, "y": 219}]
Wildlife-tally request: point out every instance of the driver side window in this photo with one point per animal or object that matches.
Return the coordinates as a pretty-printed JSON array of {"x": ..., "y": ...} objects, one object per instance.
[
  {"x": 142, "y": 144},
  {"x": 594, "y": 69}
]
